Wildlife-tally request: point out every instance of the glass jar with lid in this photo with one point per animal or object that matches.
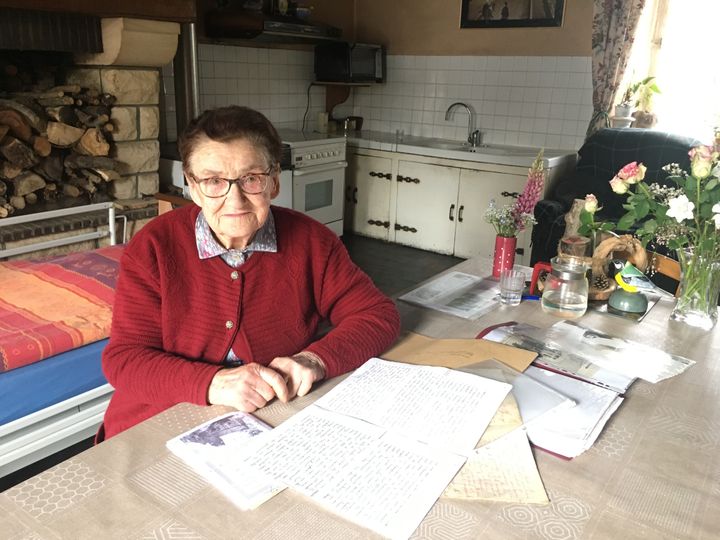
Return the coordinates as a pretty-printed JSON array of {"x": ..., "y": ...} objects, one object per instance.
[{"x": 566, "y": 288}]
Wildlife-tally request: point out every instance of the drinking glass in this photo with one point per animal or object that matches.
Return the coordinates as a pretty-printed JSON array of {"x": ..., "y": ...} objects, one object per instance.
[{"x": 512, "y": 283}]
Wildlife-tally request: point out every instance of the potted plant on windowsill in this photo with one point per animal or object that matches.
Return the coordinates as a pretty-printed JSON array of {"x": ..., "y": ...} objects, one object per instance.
[
  {"x": 624, "y": 109},
  {"x": 644, "y": 92},
  {"x": 637, "y": 103}
]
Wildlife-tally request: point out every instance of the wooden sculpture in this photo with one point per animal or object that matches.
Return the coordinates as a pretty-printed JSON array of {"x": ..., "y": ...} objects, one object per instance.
[{"x": 623, "y": 247}]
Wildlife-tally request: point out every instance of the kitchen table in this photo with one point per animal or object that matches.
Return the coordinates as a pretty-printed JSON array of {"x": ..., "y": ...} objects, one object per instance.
[{"x": 654, "y": 472}]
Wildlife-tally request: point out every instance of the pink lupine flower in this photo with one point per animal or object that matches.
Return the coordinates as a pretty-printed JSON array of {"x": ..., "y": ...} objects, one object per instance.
[{"x": 527, "y": 200}]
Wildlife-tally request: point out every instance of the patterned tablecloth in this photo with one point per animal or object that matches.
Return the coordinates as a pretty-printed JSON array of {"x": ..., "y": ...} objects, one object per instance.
[{"x": 653, "y": 473}]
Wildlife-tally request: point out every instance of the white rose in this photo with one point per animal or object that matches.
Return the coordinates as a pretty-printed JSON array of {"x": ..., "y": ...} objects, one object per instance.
[
  {"x": 716, "y": 217},
  {"x": 680, "y": 208}
]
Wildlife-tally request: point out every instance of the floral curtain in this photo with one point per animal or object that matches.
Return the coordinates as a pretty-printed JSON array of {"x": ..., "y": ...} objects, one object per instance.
[{"x": 614, "y": 25}]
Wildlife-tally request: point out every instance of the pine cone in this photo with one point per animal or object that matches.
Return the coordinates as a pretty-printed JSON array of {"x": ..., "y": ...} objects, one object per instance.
[{"x": 600, "y": 282}]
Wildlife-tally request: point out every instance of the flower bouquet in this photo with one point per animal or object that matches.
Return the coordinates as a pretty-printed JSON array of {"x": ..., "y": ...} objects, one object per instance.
[
  {"x": 509, "y": 220},
  {"x": 684, "y": 217}
]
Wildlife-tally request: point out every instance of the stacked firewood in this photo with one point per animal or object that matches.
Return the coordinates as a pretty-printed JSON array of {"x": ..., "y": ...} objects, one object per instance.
[{"x": 54, "y": 142}]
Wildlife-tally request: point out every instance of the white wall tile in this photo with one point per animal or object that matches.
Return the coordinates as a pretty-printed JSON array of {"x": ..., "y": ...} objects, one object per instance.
[{"x": 523, "y": 100}]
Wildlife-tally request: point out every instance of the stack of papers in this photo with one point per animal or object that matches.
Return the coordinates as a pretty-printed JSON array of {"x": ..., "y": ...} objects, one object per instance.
[
  {"x": 590, "y": 368},
  {"x": 456, "y": 293},
  {"x": 569, "y": 431},
  {"x": 556, "y": 357},
  {"x": 381, "y": 447},
  {"x": 619, "y": 355}
]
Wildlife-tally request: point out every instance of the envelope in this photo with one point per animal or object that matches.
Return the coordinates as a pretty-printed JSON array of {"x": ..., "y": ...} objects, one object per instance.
[{"x": 454, "y": 353}]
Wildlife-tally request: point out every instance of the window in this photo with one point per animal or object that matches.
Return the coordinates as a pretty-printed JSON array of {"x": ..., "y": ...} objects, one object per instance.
[{"x": 677, "y": 43}]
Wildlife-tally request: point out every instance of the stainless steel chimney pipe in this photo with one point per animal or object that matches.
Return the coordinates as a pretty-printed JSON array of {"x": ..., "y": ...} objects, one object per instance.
[{"x": 187, "y": 83}]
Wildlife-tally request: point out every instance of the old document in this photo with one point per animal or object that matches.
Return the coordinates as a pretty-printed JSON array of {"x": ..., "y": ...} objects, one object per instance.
[
  {"x": 503, "y": 470},
  {"x": 380, "y": 448},
  {"x": 363, "y": 473},
  {"x": 435, "y": 405}
]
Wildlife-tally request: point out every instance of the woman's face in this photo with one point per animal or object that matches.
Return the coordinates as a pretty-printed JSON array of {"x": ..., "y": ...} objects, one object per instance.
[{"x": 236, "y": 217}]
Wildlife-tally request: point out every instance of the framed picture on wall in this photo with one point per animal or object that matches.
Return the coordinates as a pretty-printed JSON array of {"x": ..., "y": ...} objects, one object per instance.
[{"x": 511, "y": 13}]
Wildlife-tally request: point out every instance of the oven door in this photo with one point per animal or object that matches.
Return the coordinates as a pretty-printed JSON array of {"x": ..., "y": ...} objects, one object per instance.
[{"x": 319, "y": 192}]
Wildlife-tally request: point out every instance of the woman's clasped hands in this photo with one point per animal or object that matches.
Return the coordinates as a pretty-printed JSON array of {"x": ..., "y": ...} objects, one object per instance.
[{"x": 251, "y": 386}]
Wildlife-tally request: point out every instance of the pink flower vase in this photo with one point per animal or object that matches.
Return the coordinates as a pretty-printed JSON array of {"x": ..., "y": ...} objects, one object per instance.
[{"x": 504, "y": 258}]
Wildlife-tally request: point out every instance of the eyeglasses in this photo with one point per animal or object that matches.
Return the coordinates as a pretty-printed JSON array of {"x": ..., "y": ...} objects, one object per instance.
[{"x": 252, "y": 183}]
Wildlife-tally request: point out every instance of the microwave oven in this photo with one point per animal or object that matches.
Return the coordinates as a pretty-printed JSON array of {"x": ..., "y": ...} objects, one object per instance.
[{"x": 339, "y": 61}]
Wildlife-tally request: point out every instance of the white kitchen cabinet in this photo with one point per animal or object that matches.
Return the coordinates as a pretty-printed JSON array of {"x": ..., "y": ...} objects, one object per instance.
[
  {"x": 426, "y": 205},
  {"x": 368, "y": 195},
  {"x": 473, "y": 235},
  {"x": 432, "y": 203}
]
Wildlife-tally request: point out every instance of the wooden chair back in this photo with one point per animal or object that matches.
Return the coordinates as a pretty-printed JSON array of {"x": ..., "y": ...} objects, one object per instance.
[{"x": 665, "y": 266}]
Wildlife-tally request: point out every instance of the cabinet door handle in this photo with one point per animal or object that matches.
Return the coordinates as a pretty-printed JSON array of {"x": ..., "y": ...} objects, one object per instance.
[
  {"x": 379, "y": 223},
  {"x": 354, "y": 196},
  {"x": 386, "y": 176},
  {"x": 407, "y": 179},
  {"x": 373, "y": 174},
  {"x": 451, "y": 217},
  {"x": 405, "y": 228},
  {"x": 513, "y": 194},
  {"x": 460, "y": 211},
  {"x": 520, "y": 251}
]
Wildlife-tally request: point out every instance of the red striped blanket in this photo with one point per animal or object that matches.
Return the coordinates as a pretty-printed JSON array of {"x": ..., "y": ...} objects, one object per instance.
[{"x": 51, "y": 306}]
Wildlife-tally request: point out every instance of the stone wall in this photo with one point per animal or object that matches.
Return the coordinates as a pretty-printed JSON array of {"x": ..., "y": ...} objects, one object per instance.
[{"x": 136, "y": 116}]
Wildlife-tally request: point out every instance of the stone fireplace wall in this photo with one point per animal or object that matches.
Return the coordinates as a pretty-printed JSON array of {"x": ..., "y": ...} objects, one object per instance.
[
  {"x": 128, "y": 70},
  {"x": 136, "y": 117}
]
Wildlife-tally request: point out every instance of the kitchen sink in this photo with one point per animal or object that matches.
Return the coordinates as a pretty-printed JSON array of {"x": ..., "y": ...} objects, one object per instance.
[
  {"x": 457, "y": 146},
  {"x": 450, "y": 146}
]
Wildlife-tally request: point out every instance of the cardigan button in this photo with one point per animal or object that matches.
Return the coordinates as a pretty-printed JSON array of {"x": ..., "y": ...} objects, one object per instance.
[
  {"x": 235, "y": 274},
  {"x": 229, "y": 324}
]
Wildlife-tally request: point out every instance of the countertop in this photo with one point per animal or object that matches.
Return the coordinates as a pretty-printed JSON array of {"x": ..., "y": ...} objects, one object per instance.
[{"x": 449, "y": 149}]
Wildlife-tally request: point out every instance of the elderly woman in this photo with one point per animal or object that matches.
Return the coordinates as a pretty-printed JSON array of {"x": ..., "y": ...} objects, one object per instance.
[{"x": 220, "y": 302}]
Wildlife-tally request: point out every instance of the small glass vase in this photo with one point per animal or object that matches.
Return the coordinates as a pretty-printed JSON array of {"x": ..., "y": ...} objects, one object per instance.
[
  {"x": 504, "y": 258},
  {"x": 697, "y": 302}
]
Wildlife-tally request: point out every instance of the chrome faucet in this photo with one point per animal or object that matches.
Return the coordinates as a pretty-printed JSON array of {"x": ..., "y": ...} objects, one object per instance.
[{"x": 474, "y": 137}]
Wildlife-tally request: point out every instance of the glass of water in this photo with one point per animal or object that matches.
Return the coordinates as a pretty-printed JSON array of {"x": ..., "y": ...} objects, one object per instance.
[{"x": 512, "y": 283}]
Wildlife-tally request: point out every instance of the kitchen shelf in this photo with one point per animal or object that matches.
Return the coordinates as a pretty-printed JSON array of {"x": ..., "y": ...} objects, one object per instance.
[{"x": 337, "y": 93}]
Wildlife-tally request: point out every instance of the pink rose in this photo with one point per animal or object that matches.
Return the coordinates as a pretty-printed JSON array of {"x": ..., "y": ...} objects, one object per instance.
[
  {"x": 618, "y": 185},
  {"x": 632, "y": 173},
  {"x": 701, "y": 161},
  {"x": 591, "y": 203}
]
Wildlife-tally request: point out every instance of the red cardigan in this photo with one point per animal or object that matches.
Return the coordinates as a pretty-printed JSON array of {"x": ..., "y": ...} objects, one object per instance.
[{"x": 175, "y": 316}]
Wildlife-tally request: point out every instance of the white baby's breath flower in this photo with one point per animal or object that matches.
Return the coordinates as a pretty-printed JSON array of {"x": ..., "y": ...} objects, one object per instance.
[{"x": 680, "y": 208}]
